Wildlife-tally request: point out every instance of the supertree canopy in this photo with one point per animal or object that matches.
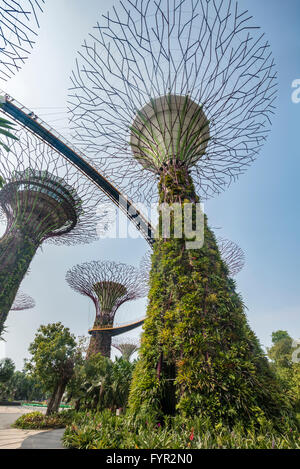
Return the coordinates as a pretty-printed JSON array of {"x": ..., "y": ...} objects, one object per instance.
[
  {"x": 126, "y": 346},
  {"x": 188, "y": 83},
  {"x": 108, "y": 285},
  {"x": 232, "y": 255},
  {"x": 180, "y": 93},
  {"x": 44, "y": 198},
  {"x": 22, "y": 301},
  {"x": 19, "y": 19}
]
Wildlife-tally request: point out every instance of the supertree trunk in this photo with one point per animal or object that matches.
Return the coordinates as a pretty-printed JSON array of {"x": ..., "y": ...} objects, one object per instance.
[
  {"x": 100, "y": 341},
  {"x": 17, "y": 250},
  {"x": 198, "y": 354}
]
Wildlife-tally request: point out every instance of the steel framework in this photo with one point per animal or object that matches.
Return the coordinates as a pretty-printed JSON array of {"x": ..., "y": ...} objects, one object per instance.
[
  {"x": 32, "y": 168},
  {"x": 17, "y": 22},
  {"x": 205, "y": 51},
  {"x": 126, "y": 346},
  {"x": 232, "y": 255},
  {"x": 22, "y": 301}
]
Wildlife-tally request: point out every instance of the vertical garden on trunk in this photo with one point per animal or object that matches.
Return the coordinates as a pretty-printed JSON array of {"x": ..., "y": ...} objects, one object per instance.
[{"x": 198, "y": 354}]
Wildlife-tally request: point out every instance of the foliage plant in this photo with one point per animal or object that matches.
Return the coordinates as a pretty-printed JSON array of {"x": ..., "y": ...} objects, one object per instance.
[
  {"x": 98, "y": 383},
  {"x": 40, "y": 421},
  {"x": 105, "y": 430},
  {"x": 184, "y": 112},
  {"x": 198, "y": 355},
  {"x": 5, "y": 127}
]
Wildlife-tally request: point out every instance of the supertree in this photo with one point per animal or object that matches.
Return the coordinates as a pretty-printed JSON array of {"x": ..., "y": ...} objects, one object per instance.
[
  {"x": 43, "y": 199},
  {"x": 181, "y": 94},
  {"x": 22, "y": 301},
  {"x": 17, "y": 33},
  {"x": 126, "y": 346},
  {"x": 109, "y": 285}
]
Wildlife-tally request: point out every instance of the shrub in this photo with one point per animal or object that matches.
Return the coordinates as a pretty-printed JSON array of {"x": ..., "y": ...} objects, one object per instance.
[
  {"x": 39, "y": 421},
  {"x": 98, "y": 383},
  {"x": 106, "y": 431}
]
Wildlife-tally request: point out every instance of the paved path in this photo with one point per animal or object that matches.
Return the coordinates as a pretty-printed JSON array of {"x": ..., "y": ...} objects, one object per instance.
[
  {"x": 14, "y": 438},
  {"x": 7, "y": 419},
  {"x": 44, "y": 440}
]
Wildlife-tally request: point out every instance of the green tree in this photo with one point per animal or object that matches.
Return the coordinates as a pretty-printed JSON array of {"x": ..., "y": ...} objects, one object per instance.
[
  {"x": 280, "y": 335},
  {"x": 281, "y": 351},
  {"x": 287, "y": 370},
  {"x": 7, "y": 368},
  {"x": 25, "y": 387},
  {"x": 54, "y": 354}
]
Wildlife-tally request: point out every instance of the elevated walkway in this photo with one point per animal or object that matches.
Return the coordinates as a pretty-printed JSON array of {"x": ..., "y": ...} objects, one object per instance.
[
  {"x": 117, "y": 329},
  {"x": 31, "y": 122}
]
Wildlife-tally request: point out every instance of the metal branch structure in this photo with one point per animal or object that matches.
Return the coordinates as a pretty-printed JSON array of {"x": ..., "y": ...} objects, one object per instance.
[
  {"x": 33, "y": 170},
  {"x": 18, "y": 22},
  {"x": 109, "y": 285},
  {"x": 145, "y": 266},
  {"x": 126, "y": 346},
  {"x": 22, "y": 302},
  {"x": 44, "y": 198},
  {"x": 185, "y": 83},
  {"x": 232, "y": 255}
]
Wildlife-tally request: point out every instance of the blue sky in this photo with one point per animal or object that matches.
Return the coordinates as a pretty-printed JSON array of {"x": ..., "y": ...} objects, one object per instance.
[{"x": 260, "y": 212}]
